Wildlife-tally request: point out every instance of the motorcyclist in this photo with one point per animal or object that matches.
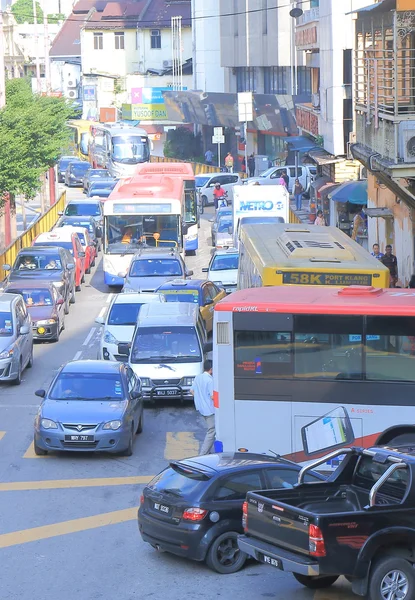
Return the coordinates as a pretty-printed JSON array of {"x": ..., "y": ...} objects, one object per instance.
[{"x": 218, "y": 194}]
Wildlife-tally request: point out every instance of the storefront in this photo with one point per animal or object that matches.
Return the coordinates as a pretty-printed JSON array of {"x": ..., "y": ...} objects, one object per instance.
[{"x": 346, "y": 202}]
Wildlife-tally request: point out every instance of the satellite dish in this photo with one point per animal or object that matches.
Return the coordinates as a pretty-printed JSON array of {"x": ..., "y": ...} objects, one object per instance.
[{"x": 296, "y": 12}]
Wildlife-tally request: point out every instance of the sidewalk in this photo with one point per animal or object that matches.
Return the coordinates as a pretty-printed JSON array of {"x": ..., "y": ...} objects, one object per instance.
[
  {"x": 33, "y": 212},
  {"x": 303, "y": 214}
]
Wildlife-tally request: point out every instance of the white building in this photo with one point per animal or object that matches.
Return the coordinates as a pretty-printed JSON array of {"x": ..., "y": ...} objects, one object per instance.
[{"x": 208, "y": 74}]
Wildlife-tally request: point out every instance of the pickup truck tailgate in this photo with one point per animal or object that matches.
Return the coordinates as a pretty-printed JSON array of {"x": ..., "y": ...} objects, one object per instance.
[{"x": 277, "y": 523}]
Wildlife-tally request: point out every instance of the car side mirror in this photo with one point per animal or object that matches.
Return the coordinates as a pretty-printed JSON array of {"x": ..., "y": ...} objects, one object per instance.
[
  {"x": 122, "y": 275},
  {"x": 60, "y": 213},
  {"x": 205, "y": 270},
  {"x": 24, "y": 329},
  {"x": 81, "y": 254},
  {"x": 208, "y": 347},
  {"x": 40, "y": 393},
  {"x": 136, "y": 394},
  {"x": 185, "y": 228},
  {"x": 99, "y": 232},
  {"x": 6, "y": 268},
  {"x": 189, "y": 273},
  {"x": 100, "y": 320},
  {"x": 71, "y": 266},
  {"x": 60, "y": 302},
  {"x": 124, "y": 349},
  {"x": 211, "y": 220}
]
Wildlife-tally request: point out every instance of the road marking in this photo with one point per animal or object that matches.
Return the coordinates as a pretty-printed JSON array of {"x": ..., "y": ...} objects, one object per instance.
[
  {"x": 102, "y": 311},
  {"x": 180, "y": 444},
  {"x": 65, "y": 527},
  {"x": 63, "y": 484},
  {"x": 89, "y": 336},
  {"x": 30, "y": 453},
  {"x": 109, "y": 298},
  {"x": 2, "y": 434},
  {"x": 77, "y": 355}
]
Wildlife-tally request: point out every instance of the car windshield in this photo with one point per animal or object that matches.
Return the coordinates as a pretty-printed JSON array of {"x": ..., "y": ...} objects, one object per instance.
[
  {"x": 39, "y": 261},
  {"x": 166, "y": 344},
  {"x": 124, "y": 314},
  {"x": 82, "y": 209},
  {"x": 268, "y": 172},
  {"x": 64, "y": 162},
  {"x": 177, "y": 481},
  {"x": 87, "y": 386},
  {"x": 155, "y": 267},
  {"x": 224, "y": 226},
  {"x": 201, "y": 181},
  {"x": 180, "y": 295},
  {"x": 83, "y": 146},
  {"x": 6, "y": 324},
  {"x": 130, "y": 149},
  {"x": 223, "y": 213},
  {"x": 225, "y": 262},
  {"x": 86, "y": 224},
  {"x": 80, "y": 168},
  {"x": 34, "y": 297},
  {"x": 97, "y": 173}
]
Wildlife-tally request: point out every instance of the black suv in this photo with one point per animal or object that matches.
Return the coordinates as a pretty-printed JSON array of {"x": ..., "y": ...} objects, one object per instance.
[
  {"x": 151, "y": 267},
  {"x": 45, "y": 263}
]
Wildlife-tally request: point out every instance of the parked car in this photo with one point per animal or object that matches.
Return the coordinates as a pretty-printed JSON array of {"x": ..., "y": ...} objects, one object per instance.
[
  {"x": 45, "y": 307},
  {"x": 271, "y": 177},
  {"x": 101, "y": 188},
  {"x": 120, "y": 321},
  {"x": 85, "y": 208},
  {"x": 45, "y": 263},
  {"x": 88, "y": 247},
  {"x": 66, "y": 237},
  {"x": 204, "y": 294},
  {"x": 194, "y": 507},
  {"x": 223, "y": 269},
  {"x": 89, "y": 223},
  {"x": 205, "y": 184},
  {"x": 75, "y": 171},
  {"x": 91, "y": 405},
  {"x": 150, "y": 267},
  {"x": 93, "y": 174},
  {"x": 62, "y": 165},
  {"x": 16, "y": 339}
]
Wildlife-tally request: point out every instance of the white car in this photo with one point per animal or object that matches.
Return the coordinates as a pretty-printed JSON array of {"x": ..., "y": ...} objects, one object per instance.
[
  {"x": 271, "y": 176},
  {"x": 205, "y": 184},
  {"x": 223, "y": 269},
  {"x": 119, "y": 323}
]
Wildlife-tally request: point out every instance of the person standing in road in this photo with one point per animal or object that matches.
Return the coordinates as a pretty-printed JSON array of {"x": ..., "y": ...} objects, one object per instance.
[
  {"x": 298, "y": 194},
  {"x": 251, "y": 165},
  {"x": 209, "y": 157},
  {"x": 229, "y": 162},
  {"x": 202, "y": 392},
  {"x": 376, "y": 252},
  {"x": 390, "y": 261}
]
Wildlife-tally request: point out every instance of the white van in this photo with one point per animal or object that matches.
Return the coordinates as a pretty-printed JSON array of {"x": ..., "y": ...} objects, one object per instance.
[
  {"x": 168, "y": 349},
  {"x": 272, "y": 175}
]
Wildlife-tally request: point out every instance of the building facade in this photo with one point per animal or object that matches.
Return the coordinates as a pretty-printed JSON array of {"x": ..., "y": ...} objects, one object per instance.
[{"x": 208, "y": 74}]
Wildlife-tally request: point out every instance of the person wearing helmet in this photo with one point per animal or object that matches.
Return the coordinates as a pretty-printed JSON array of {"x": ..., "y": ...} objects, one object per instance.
[{"x": 218, "y": 192}]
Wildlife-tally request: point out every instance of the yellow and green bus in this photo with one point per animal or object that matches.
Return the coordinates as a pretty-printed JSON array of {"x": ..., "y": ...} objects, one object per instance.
[
  {"x": 80, "y": 134},
  {"x": 298, "y": 254}
]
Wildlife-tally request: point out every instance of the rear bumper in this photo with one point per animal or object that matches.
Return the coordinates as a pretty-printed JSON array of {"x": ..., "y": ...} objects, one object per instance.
[
  {"x": 289, "y": 561},
  {"x": 113, "y": 279},
  {"x": 191, "y": 245}
]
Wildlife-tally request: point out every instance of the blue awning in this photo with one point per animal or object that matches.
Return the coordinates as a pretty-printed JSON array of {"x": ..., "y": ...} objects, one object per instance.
[
  {"x": 300, "y": 143},
  {"x": 354, "y": 192}
]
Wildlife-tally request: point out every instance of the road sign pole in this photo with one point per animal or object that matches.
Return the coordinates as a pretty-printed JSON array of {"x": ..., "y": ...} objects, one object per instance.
[
  {"x": 246, "y": 148},
  {"x": 219, "y": 156}
]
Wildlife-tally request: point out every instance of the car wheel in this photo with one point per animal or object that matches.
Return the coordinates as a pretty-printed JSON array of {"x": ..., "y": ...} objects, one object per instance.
[
  {"x": 315, "y": 583},
  {"x": 73, "y": 297},
  {"x": 83, "y": 279},
  {"x": 88, "y": 270},
  {"x": 204, "y": 202},
  {"x": 129, "y": 450},
  {"x": 66, "y": 307},
  {"x": 30, "y": 362},
  {"x": 39, "y": 451},
  {"x": 224, "y": 555},
  {"x": 63, "y": 325},
  {"x": 141, "y": 423},
  {"x": 78, "y": 288},
  {"x": 392, "y": 578},
  {"x": 18, "y": 379},
  {"x": 93, "y": 263},
  {"x": 57, "y": 336}
]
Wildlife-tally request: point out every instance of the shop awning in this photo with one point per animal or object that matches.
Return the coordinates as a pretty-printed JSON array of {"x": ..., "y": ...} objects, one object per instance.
[
  {"x": 299, "y": 143},
  {"x": 321, "y": 157},
  {"x": 354, "y": 192},
  {"x": 324, "y": 190}
]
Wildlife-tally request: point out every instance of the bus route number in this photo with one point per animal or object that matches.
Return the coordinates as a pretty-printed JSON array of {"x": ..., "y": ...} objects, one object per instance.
[{"x": 301, "y": 278}]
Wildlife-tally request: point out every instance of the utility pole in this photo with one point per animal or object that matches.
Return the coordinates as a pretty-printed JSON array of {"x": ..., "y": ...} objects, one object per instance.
[
  {"x": 2, "y": 65},
  {"x": 36, "y": 36},
  {"x": 46, "y": 45}
]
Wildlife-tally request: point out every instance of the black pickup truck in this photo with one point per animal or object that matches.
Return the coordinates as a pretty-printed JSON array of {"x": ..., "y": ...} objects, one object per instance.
[{"x": 360, "y": 523}]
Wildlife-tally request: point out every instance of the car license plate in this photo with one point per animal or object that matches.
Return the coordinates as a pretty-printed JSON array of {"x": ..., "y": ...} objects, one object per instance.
[
  {"x": 174, "y": 392},
  {"x": 268, "y": 560},
  {"x": 161, "y": 508},
  {"x": 79, "y": 438}
]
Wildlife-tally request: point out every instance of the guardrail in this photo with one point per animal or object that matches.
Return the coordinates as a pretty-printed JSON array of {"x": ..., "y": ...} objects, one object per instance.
[
  {"x": 42, "y": 225},
  {"x": 198, "y": 168}
]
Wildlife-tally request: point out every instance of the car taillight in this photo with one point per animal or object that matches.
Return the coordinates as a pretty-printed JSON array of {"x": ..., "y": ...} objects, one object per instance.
[
  {"x": 316, "y": 541},
  {"x": 194, "y": 514},
  {"x": 245, "y": 516},
  {"x": 142, "y": 499}
]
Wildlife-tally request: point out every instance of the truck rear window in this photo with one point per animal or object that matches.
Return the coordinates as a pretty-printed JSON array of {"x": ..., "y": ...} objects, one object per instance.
[{"x": 368, "y": 473}]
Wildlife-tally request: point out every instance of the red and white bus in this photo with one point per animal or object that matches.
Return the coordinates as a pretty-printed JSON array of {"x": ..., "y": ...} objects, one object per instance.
[{"x": 298, "y": 370}]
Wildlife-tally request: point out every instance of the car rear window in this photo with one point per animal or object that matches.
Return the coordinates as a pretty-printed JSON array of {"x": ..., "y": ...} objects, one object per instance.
[
  {"x": 124, "y": 314},
  {"x": 181, "y": 295},
  {"x": 58, "y": 243},
  {"x": 179, "y": 481},
  {"x": 160, "y": 267},
  {"x": 83, "y": 209}
]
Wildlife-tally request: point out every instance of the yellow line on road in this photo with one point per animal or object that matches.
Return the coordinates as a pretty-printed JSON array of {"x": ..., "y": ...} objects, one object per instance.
[
  {"x": 180, "y": 444},
  {"x": 65, "y": 527},
  {"x": 2, "y": 434},
  {"x": 30, "y": 453},
  {"x": 63, "y": 484}
]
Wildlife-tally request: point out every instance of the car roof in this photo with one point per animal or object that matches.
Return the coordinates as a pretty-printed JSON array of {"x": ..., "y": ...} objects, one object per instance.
[
  {"x": 29, "y": 284},
  {"x": 6, "y": 299},
  {"x": 227, "y": 461},
  {"x": 168, "y": 313},
  {"x": 69, "y": 157},
  {"x": 36, "y": 249},
  {"x": 156, "y": 253},
  {"x": 138, "y": 298},
  {"x": 61, "y": 234},
  {"x": 224, "y": 251},
  {"x": 77, "y": 218},
  {"x": 190, "y": 284},
  {"x": 92, "y": 366},
  {"x": 81, "y": 201}
]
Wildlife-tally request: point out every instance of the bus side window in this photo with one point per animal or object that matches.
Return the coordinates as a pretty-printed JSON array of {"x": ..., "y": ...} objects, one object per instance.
[{"x": 265, "y": 354}]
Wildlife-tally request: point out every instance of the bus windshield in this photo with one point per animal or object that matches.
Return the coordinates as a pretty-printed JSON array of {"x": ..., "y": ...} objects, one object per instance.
[
  {"x": 125, "y": 233},
  {"x": 130, "y": 149},
  {"x": 190, "y": 207},
  {"x": 83, "y": 146}
]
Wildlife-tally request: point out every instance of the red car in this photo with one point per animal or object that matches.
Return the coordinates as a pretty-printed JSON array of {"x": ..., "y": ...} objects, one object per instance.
[
  {"x": 88, "y": 247},
  {"x": 66, "y": 237}
]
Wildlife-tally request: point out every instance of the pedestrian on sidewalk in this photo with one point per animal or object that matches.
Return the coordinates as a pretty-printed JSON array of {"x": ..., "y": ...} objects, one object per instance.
[
  {"x": 298, "y": 194},
  {"x": 229, "y": 162},
  {"x": 202, "y": 392},
  {"x": 390, "y": 261},
  {"x": 208, "y": 157},
  {"x": 320, "y": 220},
  {"x": 251, "y": 165}
]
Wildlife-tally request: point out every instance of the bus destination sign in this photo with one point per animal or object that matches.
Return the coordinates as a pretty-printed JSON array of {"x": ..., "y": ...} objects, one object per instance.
[
  {"x": 141, "y": 209},
  {"x": 304, "y": 278}
]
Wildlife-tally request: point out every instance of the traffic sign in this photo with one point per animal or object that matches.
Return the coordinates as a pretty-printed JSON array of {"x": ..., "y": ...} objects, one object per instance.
[
  {"x": 218, "y": 139},
  {"x": 217, "y": 131}
]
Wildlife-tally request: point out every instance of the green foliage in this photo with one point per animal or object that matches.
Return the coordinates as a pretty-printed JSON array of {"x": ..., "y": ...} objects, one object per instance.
[
  {"x": 32, "y": 131},
  {"x": 181, "y": 143},
  {"x": 23, "y": 11},
  {"x": 56, "y": 17}
]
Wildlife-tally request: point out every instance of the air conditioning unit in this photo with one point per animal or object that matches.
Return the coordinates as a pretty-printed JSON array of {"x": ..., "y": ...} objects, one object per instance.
[
  {"x": 73, "y": 94},
  {"x": 406, "y": 141},
  {"x": 315, "y": 100},
  {"x": 72, "y": 84},
  {"x": 167, "y": 64}
]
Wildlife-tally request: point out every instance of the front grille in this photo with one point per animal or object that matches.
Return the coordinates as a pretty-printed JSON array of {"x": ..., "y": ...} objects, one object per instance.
[
  {"x": 78, "y": 426},
  {"x": 166, "y": 381},
  {"x": 79, "y": 444}
]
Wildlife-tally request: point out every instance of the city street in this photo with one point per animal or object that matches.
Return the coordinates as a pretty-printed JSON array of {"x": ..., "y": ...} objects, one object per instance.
[{"x": 68, "y": 522}]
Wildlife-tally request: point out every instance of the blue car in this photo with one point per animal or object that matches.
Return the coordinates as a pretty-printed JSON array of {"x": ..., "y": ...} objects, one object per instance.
[
  {"x": 91, "y": 405},
  {"x": 101, "y": 187}
]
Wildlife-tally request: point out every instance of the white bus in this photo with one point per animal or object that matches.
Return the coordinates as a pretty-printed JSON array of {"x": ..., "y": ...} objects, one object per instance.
[
  {"x": 118, "y": 148},
  {"x": 141, "y": 210}
]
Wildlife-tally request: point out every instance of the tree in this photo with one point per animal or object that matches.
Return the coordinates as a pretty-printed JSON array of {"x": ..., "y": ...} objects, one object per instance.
[
  {"x": 182, "y": 143},
  {"x": 33, "y": 133},
  {"x": 23, "y": 11}
]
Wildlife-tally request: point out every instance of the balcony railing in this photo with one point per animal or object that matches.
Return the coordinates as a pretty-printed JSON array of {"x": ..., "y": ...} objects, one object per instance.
[{"x": 308, "y": 16}]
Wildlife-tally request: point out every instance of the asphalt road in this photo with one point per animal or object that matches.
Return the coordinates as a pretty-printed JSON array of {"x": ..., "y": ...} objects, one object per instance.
[{"x": 68, "y": 525}]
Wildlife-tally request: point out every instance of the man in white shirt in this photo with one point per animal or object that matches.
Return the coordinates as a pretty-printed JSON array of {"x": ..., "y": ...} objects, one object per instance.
[{"x": 202, "y": 391}]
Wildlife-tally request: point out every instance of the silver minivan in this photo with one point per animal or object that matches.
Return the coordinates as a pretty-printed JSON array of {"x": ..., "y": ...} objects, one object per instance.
[
  {"x": 16, "y": 338},
  {"x": 168, "y": 349}
]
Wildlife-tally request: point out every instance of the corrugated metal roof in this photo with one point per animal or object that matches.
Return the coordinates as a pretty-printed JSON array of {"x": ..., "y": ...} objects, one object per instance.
[{"x": 160, "y": 12}]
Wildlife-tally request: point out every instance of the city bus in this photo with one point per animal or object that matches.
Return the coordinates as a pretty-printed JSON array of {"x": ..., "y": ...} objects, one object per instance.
[
  {"x": 293, "y": 254},
  {"x": 118, "y": 148},
  {"x": 191, "y": 217},
  {"x": 298, "y": 370},
  {"x": 80, "y": 134},
  {"x": 141, "y": 211}
]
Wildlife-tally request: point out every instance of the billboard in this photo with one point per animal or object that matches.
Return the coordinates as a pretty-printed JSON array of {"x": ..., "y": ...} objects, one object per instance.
[{"x": 144, "y": 112}]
